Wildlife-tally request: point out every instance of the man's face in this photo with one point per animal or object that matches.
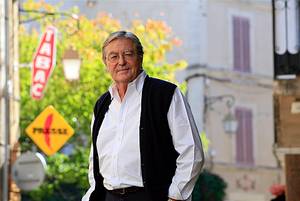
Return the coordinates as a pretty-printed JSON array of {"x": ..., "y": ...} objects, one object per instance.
[{"x": 122, "y": 61}]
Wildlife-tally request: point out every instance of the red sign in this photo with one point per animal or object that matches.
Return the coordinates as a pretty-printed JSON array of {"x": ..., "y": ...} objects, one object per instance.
[{"x": 43, "y": 62}]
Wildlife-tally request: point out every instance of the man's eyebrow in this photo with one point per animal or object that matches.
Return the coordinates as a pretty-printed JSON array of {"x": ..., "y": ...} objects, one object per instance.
[
  {"x": 113, "y": 52},
  {"x": 110, "y": 53}
]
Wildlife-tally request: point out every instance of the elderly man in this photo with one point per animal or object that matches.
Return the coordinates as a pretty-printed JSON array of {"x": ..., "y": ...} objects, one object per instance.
[{"x": 145, "y": 143}]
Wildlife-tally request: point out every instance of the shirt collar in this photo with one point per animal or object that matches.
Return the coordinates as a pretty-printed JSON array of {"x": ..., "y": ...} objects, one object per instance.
[{"x": 137, "y": 83}]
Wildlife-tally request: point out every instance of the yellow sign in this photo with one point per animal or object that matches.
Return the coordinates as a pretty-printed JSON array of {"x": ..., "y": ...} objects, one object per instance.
[{"x": 49, "y": 131}]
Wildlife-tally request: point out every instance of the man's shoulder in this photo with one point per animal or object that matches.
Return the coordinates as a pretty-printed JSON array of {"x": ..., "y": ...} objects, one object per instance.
[
  {"x": 103, "y": 98},
  {"x": 161, "y": 83}
]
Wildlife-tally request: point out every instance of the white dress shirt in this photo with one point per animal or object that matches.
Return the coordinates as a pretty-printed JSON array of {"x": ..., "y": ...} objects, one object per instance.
[{"x": 119, "y": 149}]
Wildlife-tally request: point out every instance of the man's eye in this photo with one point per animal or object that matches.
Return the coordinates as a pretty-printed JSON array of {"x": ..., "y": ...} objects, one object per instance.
[
  {"x": 113, "y": 57},
  {"x": 128, "y": 54}
]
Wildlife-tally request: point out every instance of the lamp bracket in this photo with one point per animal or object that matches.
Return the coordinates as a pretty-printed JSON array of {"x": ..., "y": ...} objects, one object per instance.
[{"x": 227, "y": 98}]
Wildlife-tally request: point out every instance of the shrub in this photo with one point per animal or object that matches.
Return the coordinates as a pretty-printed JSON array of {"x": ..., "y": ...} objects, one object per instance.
[{"x": 209, "y": 187}]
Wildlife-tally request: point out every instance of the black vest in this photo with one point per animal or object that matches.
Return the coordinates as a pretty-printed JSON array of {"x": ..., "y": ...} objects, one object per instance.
[{"x": 158, "y": 155}]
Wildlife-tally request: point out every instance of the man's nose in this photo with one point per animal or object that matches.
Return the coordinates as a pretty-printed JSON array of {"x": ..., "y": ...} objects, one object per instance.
[{"x": 122, "y": 59}]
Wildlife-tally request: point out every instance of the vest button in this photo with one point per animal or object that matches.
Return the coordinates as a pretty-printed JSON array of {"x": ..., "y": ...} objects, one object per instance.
[{"x": 142, "y": 128}]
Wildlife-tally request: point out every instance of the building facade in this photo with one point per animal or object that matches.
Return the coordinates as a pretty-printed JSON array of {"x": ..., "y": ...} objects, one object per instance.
[
  {"x": 9, "y": 97},
  {"x": 239, "y": 64}
]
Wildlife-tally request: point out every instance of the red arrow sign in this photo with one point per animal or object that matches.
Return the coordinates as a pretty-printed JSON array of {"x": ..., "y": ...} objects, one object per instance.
[
  {"x": 43, "y": 62},
  {"x": 47, "y": 127}
]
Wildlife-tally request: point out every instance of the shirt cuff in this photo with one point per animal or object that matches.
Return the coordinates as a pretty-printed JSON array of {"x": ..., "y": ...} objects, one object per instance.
[{"x": 174, "y": 192}]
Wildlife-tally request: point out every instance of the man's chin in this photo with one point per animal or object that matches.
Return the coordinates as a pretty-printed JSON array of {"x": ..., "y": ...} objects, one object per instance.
[{"x": 124, "y": 79}]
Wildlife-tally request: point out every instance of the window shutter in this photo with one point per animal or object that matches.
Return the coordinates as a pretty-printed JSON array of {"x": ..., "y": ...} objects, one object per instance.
[
  {"x": 244, "y": 137},
  {"x": 246, "y": 45},
  {"x": 239, "y": 136},
  {"x": 241, "y": 44},
  {"x": 236, "y": 44}
]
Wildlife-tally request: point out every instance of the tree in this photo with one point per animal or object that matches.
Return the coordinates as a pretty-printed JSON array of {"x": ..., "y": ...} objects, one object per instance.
[{"x": 67, "y": 174}]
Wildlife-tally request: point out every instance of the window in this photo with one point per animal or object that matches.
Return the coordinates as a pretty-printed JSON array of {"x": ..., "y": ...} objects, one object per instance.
[
  {"x": 241, "y": 44},
  {"x": 244, "y": 137}
]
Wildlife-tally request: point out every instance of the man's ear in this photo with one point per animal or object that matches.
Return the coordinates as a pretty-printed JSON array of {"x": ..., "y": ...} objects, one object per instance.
[
  {"x": 104, "y": 62},
  {"x": 106, "y": 69},
  {"x": 141, "y": 61}
]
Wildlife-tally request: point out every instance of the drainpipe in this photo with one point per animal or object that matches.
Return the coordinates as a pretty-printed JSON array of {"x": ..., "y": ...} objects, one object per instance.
[{"x": 6, "y": 106}]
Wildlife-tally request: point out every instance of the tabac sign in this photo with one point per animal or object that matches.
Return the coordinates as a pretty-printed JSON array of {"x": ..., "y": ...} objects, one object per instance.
[
  {"x": 49, "y": 131},
  {"x": 43, "y": 62}
]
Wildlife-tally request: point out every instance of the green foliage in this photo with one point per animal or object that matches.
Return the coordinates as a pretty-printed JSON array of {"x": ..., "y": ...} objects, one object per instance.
[
  {"x": 209, "y": 187},
  {"x": 66, "y": 178},
  {"x": 67, "y": 175},
  {"x": 205, "y": 141}
]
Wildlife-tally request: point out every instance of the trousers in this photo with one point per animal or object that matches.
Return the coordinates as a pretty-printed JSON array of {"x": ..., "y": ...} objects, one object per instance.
[{"x": 135, "y": 196}]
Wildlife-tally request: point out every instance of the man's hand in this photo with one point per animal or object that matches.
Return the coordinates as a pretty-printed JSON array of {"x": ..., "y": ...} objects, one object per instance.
[{"x": 171, "y": 199}]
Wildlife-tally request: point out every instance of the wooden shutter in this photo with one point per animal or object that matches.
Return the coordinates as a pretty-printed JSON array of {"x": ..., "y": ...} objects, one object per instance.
[
  {"x": 244, "y": 137},
  {"x": 241, "y": 44}
]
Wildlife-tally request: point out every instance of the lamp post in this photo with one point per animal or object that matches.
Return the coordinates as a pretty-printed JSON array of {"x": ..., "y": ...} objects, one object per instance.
[{"x": 71, "y": 64}]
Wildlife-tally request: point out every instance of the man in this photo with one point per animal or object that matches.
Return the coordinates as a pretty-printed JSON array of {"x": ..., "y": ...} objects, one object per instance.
[{"x": 145, "y": 143}]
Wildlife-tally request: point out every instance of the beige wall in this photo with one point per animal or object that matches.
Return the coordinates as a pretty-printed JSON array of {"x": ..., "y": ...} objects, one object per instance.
[
  {"x": 259, "y": 100},
  {"x": 219, "y": 29},
  {"x": 248, "y": 184}
]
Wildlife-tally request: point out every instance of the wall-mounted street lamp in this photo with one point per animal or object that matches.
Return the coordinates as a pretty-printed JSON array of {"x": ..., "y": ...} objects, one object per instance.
[
  {"x": 71, "y": 64},
  {"x": 230, "y": 123}
]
